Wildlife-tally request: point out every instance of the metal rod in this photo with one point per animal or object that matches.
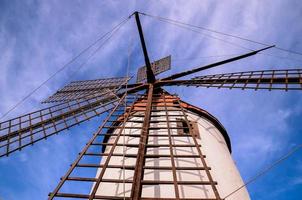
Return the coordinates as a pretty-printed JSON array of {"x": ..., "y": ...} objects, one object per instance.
[
  {"x": 149, "y": 72},
  {"x": 185, "y": 73}
]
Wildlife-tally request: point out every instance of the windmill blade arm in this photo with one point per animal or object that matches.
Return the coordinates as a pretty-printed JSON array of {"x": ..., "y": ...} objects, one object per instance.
[
  {"x": 288, "y": 79},
  {"x": 185, "y": 73},
  {"x": 87, "y": 89},
  {"x": 27, "y": 129}
]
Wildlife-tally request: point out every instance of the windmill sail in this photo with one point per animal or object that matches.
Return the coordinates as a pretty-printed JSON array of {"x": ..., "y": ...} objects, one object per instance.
[
  {"x": 32, "y": 127},
  {"x": 287, "y": 79},
  {"x": 86, "y": 89}
]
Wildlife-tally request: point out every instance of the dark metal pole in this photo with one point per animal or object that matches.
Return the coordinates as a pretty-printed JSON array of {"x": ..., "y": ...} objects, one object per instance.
[
  {"x": 179, "y": 75},
  {"x": 149, "y": 72}
]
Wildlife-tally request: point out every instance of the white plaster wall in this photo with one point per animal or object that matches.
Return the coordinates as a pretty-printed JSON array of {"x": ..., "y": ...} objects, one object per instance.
[{"x": 223, "y": 169}]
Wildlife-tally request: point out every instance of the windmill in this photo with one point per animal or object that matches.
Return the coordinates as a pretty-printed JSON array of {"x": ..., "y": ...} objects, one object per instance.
[{"x": 151, "y": 145}]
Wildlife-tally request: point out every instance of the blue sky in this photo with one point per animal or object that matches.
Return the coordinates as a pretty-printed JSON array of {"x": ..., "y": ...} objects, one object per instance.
[{"x": 38, "y": 37}]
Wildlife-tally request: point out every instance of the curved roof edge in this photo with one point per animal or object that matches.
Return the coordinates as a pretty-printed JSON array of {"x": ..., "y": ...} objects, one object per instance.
[{"x": 211, "y": 118}]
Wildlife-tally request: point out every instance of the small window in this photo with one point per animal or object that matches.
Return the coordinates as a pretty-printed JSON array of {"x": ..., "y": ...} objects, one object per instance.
[{"x": 183, "y": 127}]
